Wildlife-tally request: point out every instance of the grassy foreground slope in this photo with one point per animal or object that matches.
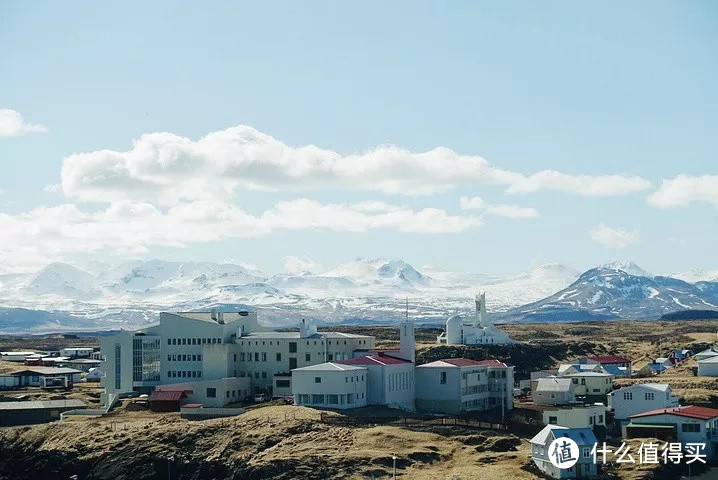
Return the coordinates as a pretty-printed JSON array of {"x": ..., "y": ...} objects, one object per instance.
[{"x": 270, "y": 442}]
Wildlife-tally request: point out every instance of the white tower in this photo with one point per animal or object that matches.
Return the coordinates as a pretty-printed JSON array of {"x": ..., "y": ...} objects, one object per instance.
[
  {"x": 482, "y": 319},
  {"x": 407, "y": 344}
]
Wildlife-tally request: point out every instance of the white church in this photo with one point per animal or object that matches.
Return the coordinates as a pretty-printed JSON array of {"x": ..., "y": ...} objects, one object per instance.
[{"x": 477, "y": 331}]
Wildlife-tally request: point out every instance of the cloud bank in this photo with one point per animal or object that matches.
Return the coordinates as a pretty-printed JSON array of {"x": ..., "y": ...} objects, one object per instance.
[
  {"x": 165, "y": 168},
  {"x": 684, "y": 190}
]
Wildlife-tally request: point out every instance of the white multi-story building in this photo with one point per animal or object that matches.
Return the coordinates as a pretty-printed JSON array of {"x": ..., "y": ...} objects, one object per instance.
[
  {"x": 331, "y": 385},
  {"x": 196, "y": 346},
  {"x": 477, "y": 331},
  {"x": 389, "y": 377},
  {"x": 456, "y": 385},
  {"x": 639, "y": 398}
]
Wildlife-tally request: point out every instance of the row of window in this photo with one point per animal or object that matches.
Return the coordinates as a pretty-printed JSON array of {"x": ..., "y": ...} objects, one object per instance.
[
  {"x": 400, "y": 381},
  {"x": 328, "y": 399},
  {"x": 184, "y": 374},
  {"x": 474, "y": 389},
  {"x": 192, "y": 341},
  {"x": 646, "y": 396},
  {"x": 184, "y": 358},
  {"x": 294, "y": 344},
  {"x": 359, "y": 378}
]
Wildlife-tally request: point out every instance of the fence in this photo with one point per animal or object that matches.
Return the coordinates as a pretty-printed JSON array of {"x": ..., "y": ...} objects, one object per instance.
[{"x": 411, "y": 421}]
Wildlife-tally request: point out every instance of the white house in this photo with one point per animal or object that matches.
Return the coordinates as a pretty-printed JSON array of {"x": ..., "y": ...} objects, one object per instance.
[
  {"x": 708, "y": 367},
  {"x": 687, "y": 424},
  {"x": 639, "y": 398},
  {"x": 390, "y": 380},
  {"x": 584, "y": 438},
  {"x": 16, "y": 356},
  {"x": 707, "y": 353},
  {"x": 554, "y": 391},
  {"x": 331, "y": 385},
  {"x": 591, "y": 383},
  {"x": 456, "y": 385},
  {"x": 71, "y": 352},
  {"x": 576, "y": 416},
  {"x": 477, "y": 331}
]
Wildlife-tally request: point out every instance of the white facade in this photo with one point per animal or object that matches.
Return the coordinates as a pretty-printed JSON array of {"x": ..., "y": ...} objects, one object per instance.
[
  {"x": 477, "y": 331},
  {"x": 212, "y": 393},
  {"x": 708, "y": 367},
  {"x": 195, "y": 346},
  {"x": 554, "y": 391},
  {"x": 15, "y": 356},
  {"x": 579, "y": 416},
  {"x": 390, "y": 380},
  {"x": 640, "y": 398},
  {"x": 591, "y": 383},
  {"x": 458, "y": 385},
  {"x": 76, "y": 351},
  {"x": 584, "y": 438},
  {"x": 691, "y": 425},
  {"x": 330, "y": 385}
]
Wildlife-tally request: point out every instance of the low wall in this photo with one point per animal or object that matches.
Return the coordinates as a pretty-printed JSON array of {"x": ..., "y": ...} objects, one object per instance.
[{"x": 207, "y": 413}]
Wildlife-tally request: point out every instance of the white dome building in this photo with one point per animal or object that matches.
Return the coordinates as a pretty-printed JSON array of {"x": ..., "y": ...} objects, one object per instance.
[{"x": 479, "y": 331}]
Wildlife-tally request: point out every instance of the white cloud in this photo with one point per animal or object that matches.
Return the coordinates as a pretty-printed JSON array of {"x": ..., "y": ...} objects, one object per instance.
[
  {"x": 13, "y": 125},
  {"x": 583, "y": 185},
  {"x": 615, "y": 237},
  {"x": 295, "y": 265},
  {"x": 501, "y": 210},
  {"x": 683, "y": 190},
  {"x": 49, "y": 233},
  {"x": 165, "y": 168}
]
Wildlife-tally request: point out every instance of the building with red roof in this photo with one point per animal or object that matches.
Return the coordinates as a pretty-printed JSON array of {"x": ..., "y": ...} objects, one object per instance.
[
  {"x": 614, "y": 364},
  {"x": 458, "y": 385},
  {"x": 685, "y": 424}
]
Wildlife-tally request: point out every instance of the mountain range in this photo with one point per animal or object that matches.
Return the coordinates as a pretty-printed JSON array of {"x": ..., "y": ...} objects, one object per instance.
[{"x": 63, "y": 297}]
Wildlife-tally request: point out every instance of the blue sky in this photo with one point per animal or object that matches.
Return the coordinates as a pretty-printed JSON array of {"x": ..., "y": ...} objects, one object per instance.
[{"x": 626, "y": 90}]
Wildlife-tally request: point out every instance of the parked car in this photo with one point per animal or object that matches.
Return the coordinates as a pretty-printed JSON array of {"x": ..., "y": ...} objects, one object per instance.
[{"x": 260, "y": 397}]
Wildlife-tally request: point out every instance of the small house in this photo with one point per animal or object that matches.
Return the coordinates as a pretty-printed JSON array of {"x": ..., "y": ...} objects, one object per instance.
[
  {"x": 541, "y": 452},
  {"x": 554, "y": 391}
]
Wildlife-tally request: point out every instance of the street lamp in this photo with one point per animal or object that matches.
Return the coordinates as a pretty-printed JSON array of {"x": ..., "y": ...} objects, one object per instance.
[
  {"x": 169, "y": 467},
  {"x": 393, "y": 457}
]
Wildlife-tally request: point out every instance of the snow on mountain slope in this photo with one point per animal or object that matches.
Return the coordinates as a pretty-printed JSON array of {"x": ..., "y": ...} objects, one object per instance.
[
  {"x": 613, "y": 293},
  {"x": 62, "y": 280},
  {"x": 697, "y": 275},
  {"x": 629, "y": 267},
  {"x": 371, "y": 290},
  {"x": 363, "y": 271},
  {"x": 161, "y": 276}
]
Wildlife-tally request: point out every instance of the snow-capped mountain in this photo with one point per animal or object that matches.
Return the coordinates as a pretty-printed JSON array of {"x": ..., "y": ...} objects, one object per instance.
[
  {"x": 62, "y": 280},
  {"x": 371, "y": 290},
  {"x": 697, "y": 275},
  {"x": 629, "y": 267},
  {"x": 611, "y": 293}
]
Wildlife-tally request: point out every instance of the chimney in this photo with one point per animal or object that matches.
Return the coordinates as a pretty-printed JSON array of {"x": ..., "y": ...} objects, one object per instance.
[{"x": 213, "y": 313}]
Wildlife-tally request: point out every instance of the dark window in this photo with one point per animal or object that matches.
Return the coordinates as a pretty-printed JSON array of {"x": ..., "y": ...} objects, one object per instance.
[
  {"x": 443, "y": 378},
  {"x": 317, "y": 379},
  {"x": 307, "y": 357},
  {"x": 292, "y": 347},
  {"x": 279, "y": 357},
  {"x": 292, "y": 363},
  {"x": 283, "y": 384}
]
